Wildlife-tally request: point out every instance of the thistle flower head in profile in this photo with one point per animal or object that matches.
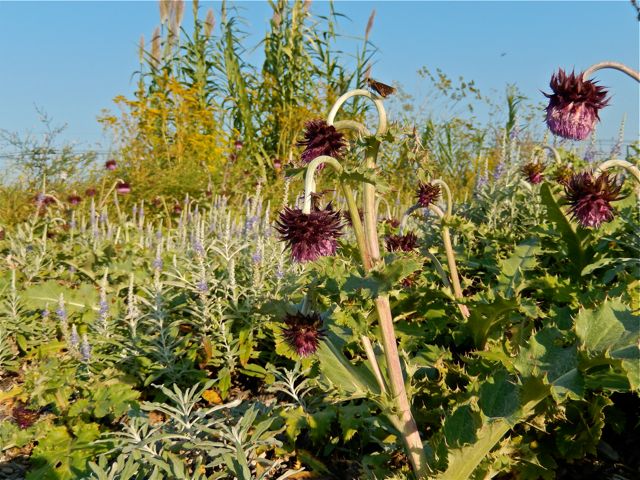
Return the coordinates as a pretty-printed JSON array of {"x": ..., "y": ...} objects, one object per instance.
[
  {"x": 123, "y": 188},
  {"x": 310, "y": 236},
  {"x": 534, "y": 172},
  {"x": 110, "y": 165},
  {"x": 320, "y": 138},
  {"x": 303, "y": 332},
  {"x": 563, "y": 174},
  {"x": 590, "y": 198},
  {"x": 574, "y": 104},
  {"x": 74, "y": 199},
  {"x": 427, "y": 194},
  {"x": 402, "y": 243}
]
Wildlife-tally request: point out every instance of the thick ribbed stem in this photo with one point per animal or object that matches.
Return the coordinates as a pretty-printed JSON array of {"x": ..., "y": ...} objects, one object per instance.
[
  {"x": 403, "y": 420},
  {"x": 614, "y": 66},
  {"x": 451, "y": 261}
]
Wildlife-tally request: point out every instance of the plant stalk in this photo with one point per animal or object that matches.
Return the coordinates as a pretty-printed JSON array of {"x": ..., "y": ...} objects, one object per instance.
[{"x": 614, "y": 66}]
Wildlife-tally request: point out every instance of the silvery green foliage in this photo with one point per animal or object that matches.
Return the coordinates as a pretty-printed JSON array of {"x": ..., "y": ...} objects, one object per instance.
[
  {"x": 211, "y": 438},
  {"x": 294, "y": 383}
]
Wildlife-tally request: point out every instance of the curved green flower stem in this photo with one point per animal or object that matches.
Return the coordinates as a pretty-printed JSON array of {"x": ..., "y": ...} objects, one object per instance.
[
  {"x": 613, "y": 65},
  {"x": 436, "y": 263},
  {"x": 386, "y": 203},
  {"x": 447, "y": 192},
  {"x": 309, "y": 187},
  {"x": 556, "y": 154},
  {"x": 104, "y": 197},
  {"x": 404, "y": 421},
  {"x": 451, "y": 261},
  {"x": 353, "y": 126},
  {"x": 628, "y": 166}
]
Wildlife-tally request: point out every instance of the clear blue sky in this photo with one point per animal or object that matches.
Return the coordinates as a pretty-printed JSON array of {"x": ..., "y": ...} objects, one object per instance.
[{"x": 72, "y": 58}]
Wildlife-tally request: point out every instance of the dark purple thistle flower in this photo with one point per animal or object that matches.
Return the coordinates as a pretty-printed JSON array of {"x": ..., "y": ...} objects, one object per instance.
[
  {"x": 310, "y": 236},
  {"x": 238, "y": 144},
  {"x": 402, "y": 243},
  {"x": 563, "y": 174},
  {"x": 534, "y": 172},
  {"x": 392, "y": 222},
  {"x": 110, "y": 165},
  {"x": 123, "y": 188},
  {"x": 589, "y": 198},
  {"x": 74, "y": 200},
  {"x": 90, "y": 192},
  {"x": 303, "y": 332},
  {"x": 320, "y": 138},
  {"x": 573, "y": 106},
  {"x": 23, "y": 416},
  {"x": 427, "y": 194}
]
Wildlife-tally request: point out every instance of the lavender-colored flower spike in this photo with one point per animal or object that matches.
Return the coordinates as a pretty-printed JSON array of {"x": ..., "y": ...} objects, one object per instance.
[
  {"x": 85, "y": 348},
  {"x": 74, "y": 339}
]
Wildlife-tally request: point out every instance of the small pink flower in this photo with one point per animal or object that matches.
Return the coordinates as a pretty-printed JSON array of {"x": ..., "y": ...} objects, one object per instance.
[{"x": 110, "y": 165}]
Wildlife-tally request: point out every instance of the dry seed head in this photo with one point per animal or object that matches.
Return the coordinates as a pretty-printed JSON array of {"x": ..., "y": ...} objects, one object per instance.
[
  {"x": 178, "y": 14},
  {"x": 165, "y": 8},
  {"x": 209, "y": 23},
  {"x": 155, "y": 47},
  {"x": 369, "y": 24},
  {"x": 141, "y": 48}
]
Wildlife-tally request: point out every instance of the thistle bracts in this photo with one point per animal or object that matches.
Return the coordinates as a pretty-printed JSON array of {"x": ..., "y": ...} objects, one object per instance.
[
  {"x": 427, "y": 194},
  {"x": 590, "y": 198},
  {"x": 401, "y": 243},
  {"x": 303, "y": 332},
  {"x": 534, "y": 172},
  {"x": 573, "y": 106},
  {"x": 310, "y": 236},
  {"x": 321, "y": 138}
]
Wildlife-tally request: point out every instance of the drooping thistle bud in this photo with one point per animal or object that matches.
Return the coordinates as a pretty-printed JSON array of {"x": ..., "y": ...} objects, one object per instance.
[
  {"x": 574, "y": 104},
  {"x": 209, "y": 23},
  {"x": 427, "y": 194},
  {"x": 562, "y": 175},
  {"x": 303, "y": 332},
  {"x": 310, "y": 236},
  {"x": 90, "y": 192},
  {"x": 402, "y": 243},
  {"x": 74, "y": 199},
  {"x": 534, "y": 172},
  {"x": 110, "y": 165},
  {"x": 123, "y": 188},
  {"x": 320, "y": 138},
  {"x": 590, "y": 198}
]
